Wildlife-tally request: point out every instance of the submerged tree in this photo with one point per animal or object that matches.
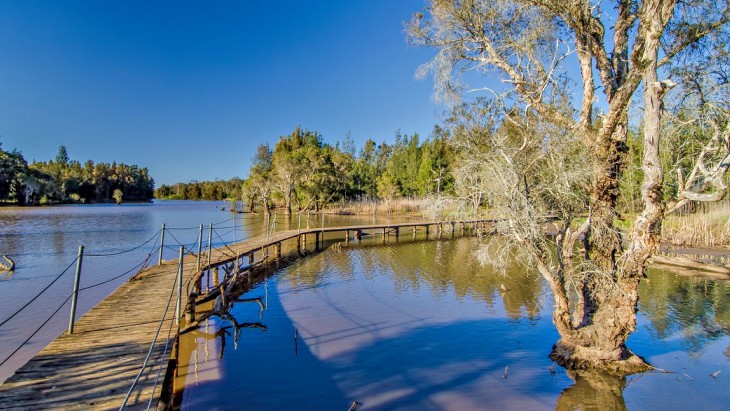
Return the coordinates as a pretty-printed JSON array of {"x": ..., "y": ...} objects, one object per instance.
[{"x": 538, "y": 144}]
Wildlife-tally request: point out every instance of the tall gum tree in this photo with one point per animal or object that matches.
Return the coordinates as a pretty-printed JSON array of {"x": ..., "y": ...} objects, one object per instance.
[{"x": 621, "y": 49}]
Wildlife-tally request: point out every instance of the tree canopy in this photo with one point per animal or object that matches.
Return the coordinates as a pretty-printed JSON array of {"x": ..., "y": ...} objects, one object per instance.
[{"x": 67, "y": 180}]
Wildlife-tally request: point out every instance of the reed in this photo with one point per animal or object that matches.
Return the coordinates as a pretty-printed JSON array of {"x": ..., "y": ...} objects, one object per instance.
[
  {"x": 374, "y": 206},
  {"x": 701, "y": 225}
]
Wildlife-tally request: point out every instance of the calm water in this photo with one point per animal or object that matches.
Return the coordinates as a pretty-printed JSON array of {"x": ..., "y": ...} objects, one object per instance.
[
  {"x": 421, "y": 326},
  {"x": 44, "y": 241}
]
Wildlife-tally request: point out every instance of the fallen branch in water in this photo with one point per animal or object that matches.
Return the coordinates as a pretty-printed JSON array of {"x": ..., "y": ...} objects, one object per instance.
[
  {"x": 685, "y": 262},
  {"x": 10, "y": 266}
]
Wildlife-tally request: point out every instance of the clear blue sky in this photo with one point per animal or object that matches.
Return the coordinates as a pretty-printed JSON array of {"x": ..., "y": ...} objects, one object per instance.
[{"x": 189, "y": 89}]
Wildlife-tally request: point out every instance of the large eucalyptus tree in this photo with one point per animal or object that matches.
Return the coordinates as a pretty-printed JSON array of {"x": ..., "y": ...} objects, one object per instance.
[{"x": 568, "y": 71}]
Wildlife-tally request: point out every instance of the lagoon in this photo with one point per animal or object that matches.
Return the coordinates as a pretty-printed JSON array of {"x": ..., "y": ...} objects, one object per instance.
[
  {"x": 415, "y": 325},
  {"x": 422, "y": 326}
]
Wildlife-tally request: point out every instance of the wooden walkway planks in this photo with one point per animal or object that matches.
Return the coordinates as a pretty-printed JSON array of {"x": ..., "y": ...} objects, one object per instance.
[{"x": 95, "y": 367}]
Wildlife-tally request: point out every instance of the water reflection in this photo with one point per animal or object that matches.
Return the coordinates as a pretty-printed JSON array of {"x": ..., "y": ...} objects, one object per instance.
[
  {"x": 695, "y": 311},
  {"x": 593, "y": 391},
  {"x": 422, "y": 326}
]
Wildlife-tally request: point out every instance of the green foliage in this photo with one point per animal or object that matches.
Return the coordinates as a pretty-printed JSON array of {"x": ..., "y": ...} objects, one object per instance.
[
  {"x": 118, "y": 195},
  {"x": 67, "y": 180},
  {"x": 13, "y": 171},
  {"x": 303, "y": 172},
  {"x": 62, "y": 155},
  {"x": 201, "y": 190}
]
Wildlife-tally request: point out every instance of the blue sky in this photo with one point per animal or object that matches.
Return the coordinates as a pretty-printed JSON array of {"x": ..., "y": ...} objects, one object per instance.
[{"x": 189, "y": 89}]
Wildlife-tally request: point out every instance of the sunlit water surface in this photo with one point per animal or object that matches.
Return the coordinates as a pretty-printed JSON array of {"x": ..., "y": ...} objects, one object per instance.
[
  {"x": 43, "y": 241},
  {"x": 422, "y": 326}
]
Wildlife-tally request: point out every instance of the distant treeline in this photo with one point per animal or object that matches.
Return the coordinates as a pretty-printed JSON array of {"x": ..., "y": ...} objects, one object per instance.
[
  {"x": 65, "y": 181},
  {"x": 201, "y": 190},
  {"x": 302, "y": 172}
]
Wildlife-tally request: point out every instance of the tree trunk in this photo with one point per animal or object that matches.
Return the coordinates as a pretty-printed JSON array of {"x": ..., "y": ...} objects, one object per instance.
[
  {"x": 287, "y": 200},
  {"x": 594, "y": 336},
  {"x": 601, "y": 344}
]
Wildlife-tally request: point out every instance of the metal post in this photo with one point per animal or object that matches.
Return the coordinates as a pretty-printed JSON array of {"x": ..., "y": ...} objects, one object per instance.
[
  {"x": 75, "y": 298},
  {"x": 162, "y": 245},
  {"x": 178, "y": 305},
  {"x": 210, "y": 242},
  {"x": 200, "y": 245},
  {"x": 268, "y": 216}
]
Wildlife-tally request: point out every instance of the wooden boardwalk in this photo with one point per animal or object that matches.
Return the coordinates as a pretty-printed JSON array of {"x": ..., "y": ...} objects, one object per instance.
[{"x": 95, "y": 367}]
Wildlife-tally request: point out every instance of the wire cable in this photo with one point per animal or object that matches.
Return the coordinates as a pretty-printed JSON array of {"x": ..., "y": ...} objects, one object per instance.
[
  {"x": 176, "y": 240},
  {"x": 161, "y": 361},
  {"x": 36, "y": 331},
  {"x": 39, "y": 294},
  {"x": 117, "y": 276},
  {"x": 152, "y": 346},
  {"x": 126, "y": 251}
]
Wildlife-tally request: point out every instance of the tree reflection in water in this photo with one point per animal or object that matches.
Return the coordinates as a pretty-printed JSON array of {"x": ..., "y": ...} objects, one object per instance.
[
  {"x": 695, "y": 310},
  {"x": 593, "y": 391},
  {"x": 356, "y": 319}
]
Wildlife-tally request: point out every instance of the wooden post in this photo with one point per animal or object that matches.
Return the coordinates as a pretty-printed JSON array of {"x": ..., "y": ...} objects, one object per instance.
[
  {"x": 74, "y": 299},
  {"x": 347, "y": 236},
  {"x": 452, "y": 229},
  {"x": 462, "y": 228},
  {"x": 278, "y": 250},
  {"x": 316, "y": 240},
  {"x": 397, "y": 233},
  {"x": 178, "y": 304},
  {"x": 299, "y": 244},
  {"x": 426, "y": 231},
  {"x": 162, "y": 244}
]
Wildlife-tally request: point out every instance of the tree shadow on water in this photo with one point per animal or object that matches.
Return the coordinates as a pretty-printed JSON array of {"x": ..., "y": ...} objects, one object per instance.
[{"x": 455, "y": 366}]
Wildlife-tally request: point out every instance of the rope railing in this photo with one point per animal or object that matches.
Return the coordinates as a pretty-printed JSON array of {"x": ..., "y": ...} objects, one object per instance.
[
  {"x": 76, "y": 261},
  {"x": 164, "y": 355},
  {"x": 222, "y": 243},
  {"x": 39, "y": 294},
  {"x": 155, "y": 236},
  {"x": 152, "y": 346},
  {"x": 43, "y": 324}
]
